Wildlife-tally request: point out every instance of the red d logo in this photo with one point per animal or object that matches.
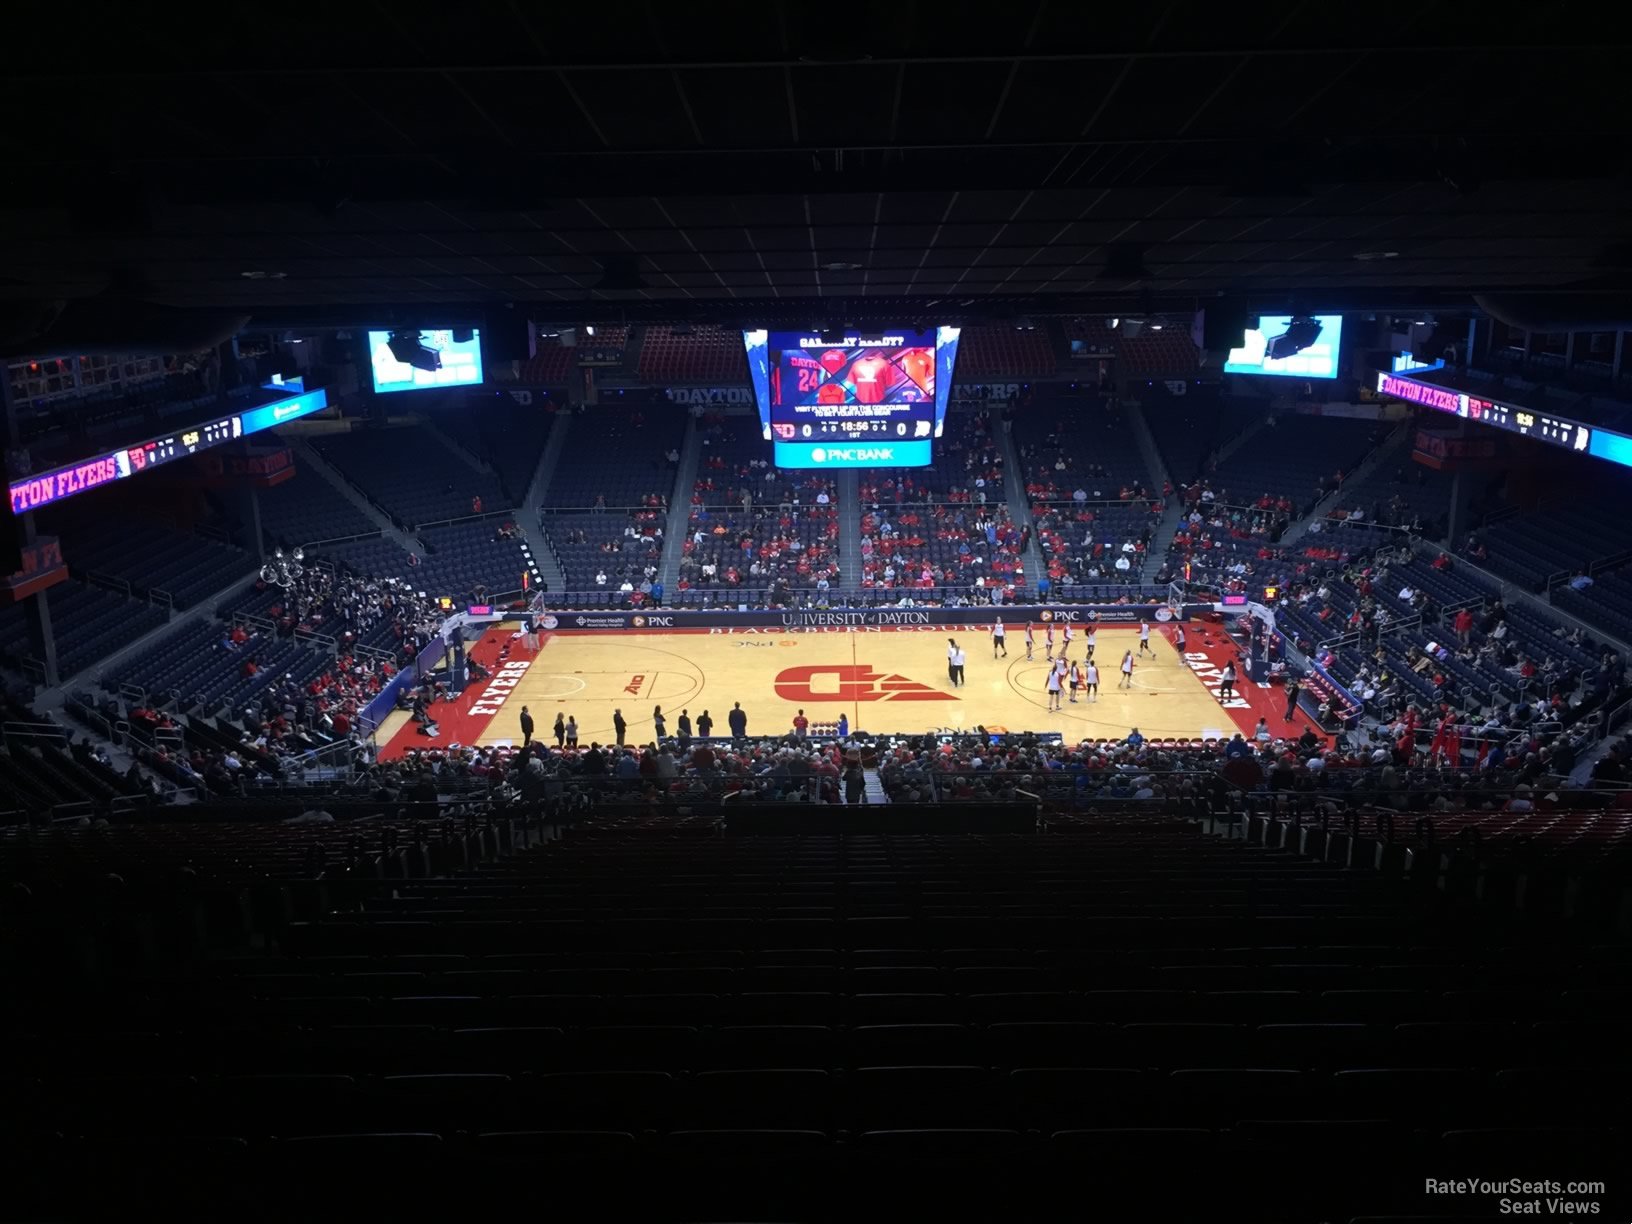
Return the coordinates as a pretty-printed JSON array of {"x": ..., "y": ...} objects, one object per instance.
[{"x": 851, "y": 682}]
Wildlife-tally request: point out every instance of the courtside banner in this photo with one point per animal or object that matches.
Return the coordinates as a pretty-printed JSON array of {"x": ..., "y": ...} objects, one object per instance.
[{"x": 839, "y": 619}]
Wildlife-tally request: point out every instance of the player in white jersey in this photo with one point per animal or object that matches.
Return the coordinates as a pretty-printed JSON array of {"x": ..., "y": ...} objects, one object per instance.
[
  {"x": 1090, "y": 682},
  {"x": 1030, "y": 641},
  {"x": 1048, "y": 641},
  {"x": 1088, "y": 640},
  {"x": 1127, "y": 670},
  {"x": 1053, "y": 685},
  {"x": 1076, "y": 682},
  {"x": 1144, "y": 640},
  {"x": 1000, "y": 638}
]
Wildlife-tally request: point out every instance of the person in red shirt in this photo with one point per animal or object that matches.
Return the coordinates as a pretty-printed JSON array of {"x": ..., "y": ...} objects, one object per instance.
[{"x": 801, "y": 724}]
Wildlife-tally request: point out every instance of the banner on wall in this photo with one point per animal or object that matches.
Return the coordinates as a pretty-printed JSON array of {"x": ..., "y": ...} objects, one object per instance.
[
  {"x": 817, "y": 620},
  {"x": 708, "y": 395},
  {"x": 986, "y": 391}
]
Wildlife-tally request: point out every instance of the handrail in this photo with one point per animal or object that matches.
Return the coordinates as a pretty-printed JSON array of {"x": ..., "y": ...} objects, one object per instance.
[
  {"x": 508, "y": 512},
  {"x": 47, "y": 731}
]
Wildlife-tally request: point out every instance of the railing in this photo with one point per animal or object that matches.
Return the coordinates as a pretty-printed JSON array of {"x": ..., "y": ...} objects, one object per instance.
[
  {"x": 508, "y": 512},
  {"x": 33, "y": 733},
  {"x": 108, "y": 582}
]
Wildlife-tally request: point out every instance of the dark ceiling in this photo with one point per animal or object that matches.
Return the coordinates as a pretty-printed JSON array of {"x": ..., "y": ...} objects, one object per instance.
[{"x": 661, "y": 160}]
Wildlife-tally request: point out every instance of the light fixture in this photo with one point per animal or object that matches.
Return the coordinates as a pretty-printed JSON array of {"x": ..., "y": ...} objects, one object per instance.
[
  {"x": 284, "y": 571},
  {"x": 589, "y": 329},
  {"x": 1115, "y": 323}
]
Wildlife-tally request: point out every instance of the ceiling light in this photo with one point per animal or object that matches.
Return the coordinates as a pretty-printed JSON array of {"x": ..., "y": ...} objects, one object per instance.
[
  {"x": 589, "y": 330},
  {"x": 1368, "y": 256},
  {"x": 1115, "y": 323},
  {"x": 1155, "y": 327},
  {"x": 840, "y": 266},
  {"x": 263, "y": 275}
]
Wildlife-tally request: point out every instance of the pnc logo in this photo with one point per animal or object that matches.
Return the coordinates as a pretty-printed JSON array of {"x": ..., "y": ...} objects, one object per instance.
[
  {"x": 651, "y": 622},
  {"x": 851, "y": 682}
]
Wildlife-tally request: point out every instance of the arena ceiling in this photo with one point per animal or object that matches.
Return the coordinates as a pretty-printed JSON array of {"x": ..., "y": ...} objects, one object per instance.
[{"x": 672, "y": 161}]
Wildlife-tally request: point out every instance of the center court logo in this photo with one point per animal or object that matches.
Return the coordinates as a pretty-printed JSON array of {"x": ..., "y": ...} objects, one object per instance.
[{"x": 851, "y": 682}]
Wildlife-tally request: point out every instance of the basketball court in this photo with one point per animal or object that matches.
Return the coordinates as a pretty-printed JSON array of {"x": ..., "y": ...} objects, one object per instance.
[{"x": 884, "y": 681}]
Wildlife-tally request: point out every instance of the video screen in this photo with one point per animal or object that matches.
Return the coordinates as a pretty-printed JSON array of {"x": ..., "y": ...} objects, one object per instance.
[
  {"x": 866, "y": 399},
  {"x": 458, "y": 363},
  {"x": 1319, "y": 360}
]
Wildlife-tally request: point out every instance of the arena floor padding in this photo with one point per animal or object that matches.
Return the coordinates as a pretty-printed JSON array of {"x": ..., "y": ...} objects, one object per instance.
[{"x": 883, "y": 681}]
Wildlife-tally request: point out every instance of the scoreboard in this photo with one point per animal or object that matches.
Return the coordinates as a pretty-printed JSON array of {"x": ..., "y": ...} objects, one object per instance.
[
  {"x": 1544, "y": 427},
  {"x": 852, "y": 399},
  {"x": 45, "y": 488}
]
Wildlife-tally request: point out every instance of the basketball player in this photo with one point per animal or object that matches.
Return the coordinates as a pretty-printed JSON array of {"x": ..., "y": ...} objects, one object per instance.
[
  {"x": 1000, "y": 638},
  {"x": 1030, "y": 641},
  {"x": 1048, "y": 641},
  {"x": 1065, "y": 639},
  {"x": 1226, "y": 682},
  {"x": 1127, "y": 670},
  {"x": 952, "y": 662},
  {"x": 1054, "y": 688},
  {"x": 1089, "y": 640},
  {"x": 1076, "y": 682},
  {"x": 1090, "y": 681},
  {"x": 1178, "y": 638},
  {"x": 1144, "y": 639}
]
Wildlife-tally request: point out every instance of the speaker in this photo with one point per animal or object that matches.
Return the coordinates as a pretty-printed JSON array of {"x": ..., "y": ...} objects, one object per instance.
[
  {"x": 511, "y": 336},
  {"x": 1224, "y": 326},
  {"x": 1428, "y": 344}
]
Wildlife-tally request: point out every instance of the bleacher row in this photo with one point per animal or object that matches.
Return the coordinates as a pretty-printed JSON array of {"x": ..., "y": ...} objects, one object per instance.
[{"x": 740, "y": 1027}]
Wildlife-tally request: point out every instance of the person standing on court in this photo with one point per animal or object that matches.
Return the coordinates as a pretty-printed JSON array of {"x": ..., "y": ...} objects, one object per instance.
[
  {"x": 801, "y": 725},
  {"x": 843, "y": 730},
  {"x": 1030, "y": 641},
  {"x": 659, "y": 726},
  {"x": 1144, "y": 639},
  {"x": 526, "y": 727},
  {"x": 1226, "y": 681},
  {"x": 560, "y": 729},
  {"x": 705, "y": 725},
  {"x": 1000, "y": 640},
  {"x": 1127, "y": 670},
  {"x": 952, "y": 662},
  {"x": 958, "y": 658},
  {"x": 620, "y": 725},
  {"x": 1178, "y": 638},
  {"x": 1090, "y": 680},
  {"x": 683, "y": 727},
  {"x": 1293, "y": 688},
  {"x": 572, "y": 733},
  {"x": 738, "y": 719}
]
